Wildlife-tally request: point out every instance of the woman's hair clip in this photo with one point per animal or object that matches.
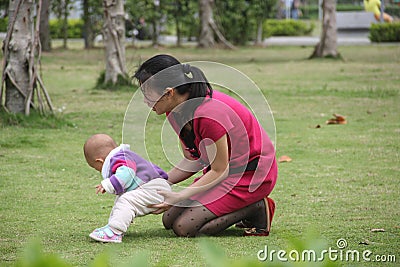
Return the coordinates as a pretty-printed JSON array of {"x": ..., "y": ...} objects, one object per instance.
[{"x": 186, "y": 68}]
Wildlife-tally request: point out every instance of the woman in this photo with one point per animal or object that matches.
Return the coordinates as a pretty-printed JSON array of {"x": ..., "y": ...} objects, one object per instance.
[{"x": 219, "y": 136}]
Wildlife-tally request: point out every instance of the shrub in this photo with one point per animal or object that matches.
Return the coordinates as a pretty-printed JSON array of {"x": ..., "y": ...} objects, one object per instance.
[
  {"x": 74, "y": 30},
  {"x": 385, "y": 32},
  {"x": 3, "y": 24},
  {"x": 286, "y": 28},
  {"x": 123, "y": 83},
  {"x": 393, "y": 10}
]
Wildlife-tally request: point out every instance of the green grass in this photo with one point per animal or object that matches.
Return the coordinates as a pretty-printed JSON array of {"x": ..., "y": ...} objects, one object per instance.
[{"x": 343, "y": 180}]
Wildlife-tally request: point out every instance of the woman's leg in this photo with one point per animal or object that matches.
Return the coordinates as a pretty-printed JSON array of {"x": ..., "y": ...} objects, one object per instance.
[
  {"x": 198, "y": 220},
  {"x": 254, "y": 213},
  {"x": 170, "y": 216},
  {"x": 191, "y": 220}
]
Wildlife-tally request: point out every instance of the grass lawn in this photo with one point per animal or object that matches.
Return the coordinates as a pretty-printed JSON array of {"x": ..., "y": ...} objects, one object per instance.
[{"x": 342, "y": 183}]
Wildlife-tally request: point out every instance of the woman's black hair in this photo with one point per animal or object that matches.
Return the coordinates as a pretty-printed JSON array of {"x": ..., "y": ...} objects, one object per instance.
[
  {"x": 170, "y": 72},
  {"x": 162, "y": 71}
]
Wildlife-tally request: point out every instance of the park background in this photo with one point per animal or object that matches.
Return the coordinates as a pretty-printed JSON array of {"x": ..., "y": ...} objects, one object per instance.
[{"x": 342, "y": 181}]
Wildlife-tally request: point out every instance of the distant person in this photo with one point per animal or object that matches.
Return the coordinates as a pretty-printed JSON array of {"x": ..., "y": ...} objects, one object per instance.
[
  {"x": 295, "y": 12},
  {"x": 133, "y": 179},
  {"x": 141, "y": 28},
  {"x": 374, "y": 6}
]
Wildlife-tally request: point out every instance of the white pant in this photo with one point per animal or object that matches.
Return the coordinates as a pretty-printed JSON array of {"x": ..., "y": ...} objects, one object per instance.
[{"x": 135, "y": 203}]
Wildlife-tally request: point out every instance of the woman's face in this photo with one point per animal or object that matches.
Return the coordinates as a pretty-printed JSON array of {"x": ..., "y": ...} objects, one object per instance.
[{"x": 159, "y": 103}]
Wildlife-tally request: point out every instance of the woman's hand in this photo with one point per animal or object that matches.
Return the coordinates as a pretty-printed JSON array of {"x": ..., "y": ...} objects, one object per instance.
[{"x": 170, "y": 198}]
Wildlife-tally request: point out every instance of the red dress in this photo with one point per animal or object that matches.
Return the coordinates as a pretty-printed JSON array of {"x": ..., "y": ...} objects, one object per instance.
[{"x": 247, "y": 141}]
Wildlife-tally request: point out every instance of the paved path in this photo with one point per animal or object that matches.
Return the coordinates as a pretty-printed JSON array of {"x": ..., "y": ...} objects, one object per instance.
[
  {"x": 311, "y": 41},
  {"x": 343, "y": 39}
]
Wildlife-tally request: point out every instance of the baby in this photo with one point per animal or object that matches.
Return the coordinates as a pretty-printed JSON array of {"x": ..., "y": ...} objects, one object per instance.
[{"x": 133, "y": 179}]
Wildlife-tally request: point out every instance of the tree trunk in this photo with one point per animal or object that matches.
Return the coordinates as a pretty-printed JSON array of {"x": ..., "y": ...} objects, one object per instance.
[
  {"x": 87, "y": 28},
  {"x": 114, "y": 40},
  {"x": 65, "y": 23},
  {"x": 21, "y": 50},
  {"x": 327, "y": 46},
  {"x": 178, "y": 32},
  {"x": 17, "y": 80},
  {"x": 259, "y": 33},
  {"x": 206, "y": 39},
  {"x": 156, "y": 32},
  {"x": 156, "y": 23},
  {"x": 44, "y": 31},
  {"x": 208, "y": 27}
]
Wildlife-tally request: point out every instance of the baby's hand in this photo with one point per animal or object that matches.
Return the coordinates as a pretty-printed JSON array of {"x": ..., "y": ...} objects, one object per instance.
[{"x": 100, "y": 189}]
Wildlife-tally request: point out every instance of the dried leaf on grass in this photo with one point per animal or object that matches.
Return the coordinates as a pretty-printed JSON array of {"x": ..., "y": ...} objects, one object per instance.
[
  {"x": 338, "y": 119},
  {"x": 285, "y": 159},
  {"x": 365, "y": 242},
  {"x": 375, "y": 230}
]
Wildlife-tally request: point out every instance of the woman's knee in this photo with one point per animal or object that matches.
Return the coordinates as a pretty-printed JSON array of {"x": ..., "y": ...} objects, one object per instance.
[
  {"x": 185, "y": 228},
  {"x": 171, "y": 215},
  {"x": 167, "y": 220},
  {"x": 191, "y": 220}
]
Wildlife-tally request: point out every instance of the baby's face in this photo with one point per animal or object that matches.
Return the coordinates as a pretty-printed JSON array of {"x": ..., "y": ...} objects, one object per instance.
[{"x": 96, "y": 164}]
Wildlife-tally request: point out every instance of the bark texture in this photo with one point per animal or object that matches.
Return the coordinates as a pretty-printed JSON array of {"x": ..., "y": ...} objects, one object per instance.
[
  {"x": 327, "y": 46},
  {"x": 206, "y": 39},
  {"x": 114, "y": 40},
  {"x": 21, "y": 55},
  {"x": 44, "y": 31},
  {"x": 208, "y": 26}
]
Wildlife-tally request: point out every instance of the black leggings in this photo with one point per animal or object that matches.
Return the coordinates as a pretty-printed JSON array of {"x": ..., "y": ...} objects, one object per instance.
[{"x": 190, "y": 218}]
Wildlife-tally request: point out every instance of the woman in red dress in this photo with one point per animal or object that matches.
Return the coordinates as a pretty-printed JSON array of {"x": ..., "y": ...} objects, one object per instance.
[{"x": 220, "y": 136}]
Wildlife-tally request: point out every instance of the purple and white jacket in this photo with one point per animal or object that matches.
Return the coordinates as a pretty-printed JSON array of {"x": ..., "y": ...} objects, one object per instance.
[{"x": 124, "y": 170}]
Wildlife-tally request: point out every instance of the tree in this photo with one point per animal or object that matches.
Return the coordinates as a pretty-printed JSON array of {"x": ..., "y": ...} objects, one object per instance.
[
  {"x": 114, "y": 40},
  {"x": 206, "y": 38},
  {"x": 92, "y": 21},
  {"x": 208, "y": 26},
  {"x": 261, "y": 10},
  {"x": 44, "y": 31},
  {"x": 21, "y": 54},
  {"x": 242, "y": 21},
  {"x": 61, "y": 10},
  {"x": 327, "y": 46},
  {"x": 182, "y": 12}
]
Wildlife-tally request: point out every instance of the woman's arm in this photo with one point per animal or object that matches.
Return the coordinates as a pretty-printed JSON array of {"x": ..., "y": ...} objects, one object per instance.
[
  {"x": 185, "y": 168},
  {"x": 219, "y": 157},
  {"x": 219, "y": 171}
]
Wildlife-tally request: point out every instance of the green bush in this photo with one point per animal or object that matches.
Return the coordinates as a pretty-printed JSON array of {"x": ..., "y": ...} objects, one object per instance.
[
  {"x": 385, "y": 32},
  {"x": 289, "y": 27},
  {"x": 3, "y": 24},
  {"x": 74, "y": 30},
  {"x": 393, "y": 10}
]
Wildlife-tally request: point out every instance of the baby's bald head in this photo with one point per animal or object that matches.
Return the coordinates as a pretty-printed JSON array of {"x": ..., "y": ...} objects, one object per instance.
[{"x": 96, "y": 149}]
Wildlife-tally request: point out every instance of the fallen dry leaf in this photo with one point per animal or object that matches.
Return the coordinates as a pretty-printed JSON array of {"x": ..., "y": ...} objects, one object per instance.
[
  {"x": 285, "y": 159},
  {"x": 375, "y": 230},
  {"x": 338, "y": 119},
  {"x": 365, "y": 242}
]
